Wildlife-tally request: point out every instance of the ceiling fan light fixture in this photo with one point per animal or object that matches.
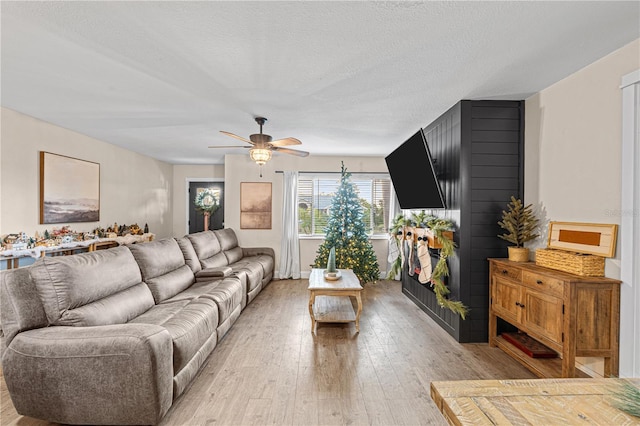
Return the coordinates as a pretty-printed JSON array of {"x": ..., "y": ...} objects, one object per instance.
[{"x": 260, "y": 155}]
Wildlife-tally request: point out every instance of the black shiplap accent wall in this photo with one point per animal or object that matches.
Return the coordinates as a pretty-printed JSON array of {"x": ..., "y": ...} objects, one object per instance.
[{"x": 478, "y": 148}]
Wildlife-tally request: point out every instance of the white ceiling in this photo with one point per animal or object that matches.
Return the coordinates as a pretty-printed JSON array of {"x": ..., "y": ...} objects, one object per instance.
[{"x": 346, "y": 78}]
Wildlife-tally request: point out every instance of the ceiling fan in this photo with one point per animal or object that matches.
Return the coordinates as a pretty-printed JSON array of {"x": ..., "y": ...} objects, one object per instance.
[{"x": 262, "y": 145}]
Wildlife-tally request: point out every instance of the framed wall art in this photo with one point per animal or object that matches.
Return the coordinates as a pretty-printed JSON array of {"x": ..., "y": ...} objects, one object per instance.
[
  {"x": 69, "y": 189},
  {"x": 255, "y": 205}
]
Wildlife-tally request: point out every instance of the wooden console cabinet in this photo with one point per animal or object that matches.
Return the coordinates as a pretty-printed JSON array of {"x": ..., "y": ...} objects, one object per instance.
[{"x": 573, "y": 315}]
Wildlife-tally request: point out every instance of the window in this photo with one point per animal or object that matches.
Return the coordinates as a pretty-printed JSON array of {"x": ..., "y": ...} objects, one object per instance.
[{"x": 315, "y": 193}]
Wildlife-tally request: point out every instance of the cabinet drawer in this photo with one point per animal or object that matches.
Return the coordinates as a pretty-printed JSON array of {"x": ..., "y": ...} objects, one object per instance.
[
  {"x": 507, "y": 271},
  {"x": 543, "y": 283}
]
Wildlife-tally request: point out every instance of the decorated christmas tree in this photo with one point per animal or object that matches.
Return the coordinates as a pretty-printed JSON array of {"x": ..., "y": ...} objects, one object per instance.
[{"x": 346, "y": 232}]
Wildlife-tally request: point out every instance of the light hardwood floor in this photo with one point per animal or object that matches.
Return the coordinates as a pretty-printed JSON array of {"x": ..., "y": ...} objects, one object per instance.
[{"x": 270, "y": 370}]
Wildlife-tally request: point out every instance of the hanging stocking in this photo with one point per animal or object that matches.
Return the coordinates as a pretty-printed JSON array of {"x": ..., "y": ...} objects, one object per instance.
[
  {"x": 423, "y": 256},
  {"x": 400, "y": 239},
  {"x": 409, "y": 240}
]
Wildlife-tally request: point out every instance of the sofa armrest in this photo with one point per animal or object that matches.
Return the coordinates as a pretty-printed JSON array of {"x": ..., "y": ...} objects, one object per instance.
[
  {"x": 209, "y": 274},
  {"x": 112, "y": 374},
  {"x": 257, "y": 251}
]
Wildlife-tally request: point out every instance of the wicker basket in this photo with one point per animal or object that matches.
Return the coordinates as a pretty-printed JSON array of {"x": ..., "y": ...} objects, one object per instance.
[{"x": 585, "y": 265}]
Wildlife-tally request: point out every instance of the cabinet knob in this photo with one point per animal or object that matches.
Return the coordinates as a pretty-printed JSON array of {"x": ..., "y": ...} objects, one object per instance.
[
  {"x": 505, "y": 272},
  {"x": 517, "y": 303},
  {"x": 538, "y": 281}
]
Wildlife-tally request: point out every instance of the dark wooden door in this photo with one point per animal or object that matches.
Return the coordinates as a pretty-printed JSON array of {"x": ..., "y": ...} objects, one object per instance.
[{"x": 196, "y": 218}]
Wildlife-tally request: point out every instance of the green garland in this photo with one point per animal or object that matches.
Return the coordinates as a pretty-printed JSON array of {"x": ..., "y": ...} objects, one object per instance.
[
  {"x": 441, "y": 270},
  {"x": 438, "y": 226},
  {"x": 207, "y": 201}
]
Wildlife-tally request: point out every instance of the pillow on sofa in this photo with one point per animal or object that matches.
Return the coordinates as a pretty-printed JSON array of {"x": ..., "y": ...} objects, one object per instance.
[
  {"x": 98, "y": 288},
  {"x": 163, "y": 268}
]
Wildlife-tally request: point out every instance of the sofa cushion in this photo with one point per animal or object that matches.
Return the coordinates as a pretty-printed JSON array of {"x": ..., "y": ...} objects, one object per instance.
[
  {"x": 253, "y": 271},
  {"x": 20, "y": 306},
  {"x": 265, "y": 261},
  {"x": 189, "y": 253},
  {"x": 190, "y": 329},
  {"x": 205, "y": 244},
  {"x": 117, "y": 308},
  {"x": 157, "y": 258},
  {"x": 163, "y": 268},
  {"x": 160, "y": 313},
  {"x": 189, "y": 322},
  {"x": 227, "y": 238},
  {"x": 195, "y": 291},
  {"x": 168, "y": 285},
  {"x": 215, "y": 261},
  {"x": 67, "y": 283},
  {"x": 233, "y": 255},
  {"x": 228, "y": 296}
]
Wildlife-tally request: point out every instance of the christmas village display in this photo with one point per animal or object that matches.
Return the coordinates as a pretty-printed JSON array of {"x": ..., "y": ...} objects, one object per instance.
[{"x": 17, "y": 244}]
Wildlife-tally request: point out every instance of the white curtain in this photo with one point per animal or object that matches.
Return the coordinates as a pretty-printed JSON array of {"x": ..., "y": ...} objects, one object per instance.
[
  {"x": 290, "y": 246},
  {"x": 394, "y": 210}
]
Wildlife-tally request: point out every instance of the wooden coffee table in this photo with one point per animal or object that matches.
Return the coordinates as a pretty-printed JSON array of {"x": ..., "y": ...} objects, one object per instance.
[
  {"x": 531, "y": 402},
  {"x": 327, "y": 301}
]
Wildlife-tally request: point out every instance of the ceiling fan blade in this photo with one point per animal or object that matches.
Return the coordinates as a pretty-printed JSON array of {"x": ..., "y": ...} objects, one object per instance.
[
  {"x": 291, "y": 151},
  {"x": 285, "y": 142},
  {"x": 229, "y": 146},
  {"x": 237, "y": 137}
]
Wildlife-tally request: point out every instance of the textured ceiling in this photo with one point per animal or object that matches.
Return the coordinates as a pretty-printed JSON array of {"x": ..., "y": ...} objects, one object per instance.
[{"x": 346, "y": 78}]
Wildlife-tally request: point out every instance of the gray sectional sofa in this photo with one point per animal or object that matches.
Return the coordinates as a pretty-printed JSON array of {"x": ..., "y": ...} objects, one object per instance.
[{"x": 115, "y": 336}]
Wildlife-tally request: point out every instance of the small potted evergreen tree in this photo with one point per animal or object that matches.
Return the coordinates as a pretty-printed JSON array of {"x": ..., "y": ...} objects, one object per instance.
[
  {"x": 520, "y": 225},
  {"x": 331, "y": 273}
]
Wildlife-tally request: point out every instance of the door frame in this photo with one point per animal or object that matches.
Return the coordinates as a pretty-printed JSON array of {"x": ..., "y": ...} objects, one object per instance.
[{"x": 188, "y": 197}]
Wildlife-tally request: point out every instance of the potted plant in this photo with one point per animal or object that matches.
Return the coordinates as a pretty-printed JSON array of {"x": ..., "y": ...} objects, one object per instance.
[{"x": 520, "y": 225}]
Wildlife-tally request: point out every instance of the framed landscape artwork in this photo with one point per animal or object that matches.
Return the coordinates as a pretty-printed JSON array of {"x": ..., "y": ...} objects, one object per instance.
[
  {"x": 255, "y": 205},
  {"x": 69, "y": 189}
]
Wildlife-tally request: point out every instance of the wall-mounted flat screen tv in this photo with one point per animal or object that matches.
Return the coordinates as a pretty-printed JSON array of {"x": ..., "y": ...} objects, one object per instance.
[{"x": 413, "y": 175}]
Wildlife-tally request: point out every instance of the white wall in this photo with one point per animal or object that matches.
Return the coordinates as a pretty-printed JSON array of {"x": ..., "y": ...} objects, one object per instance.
[
  {"x": 573, "y": 147},
  {"x": 573, "y": 144},
  {"x": 182, "y": 173},
  {"x": 133, "y": 188},
  {"x": 239, "y": 168}
]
